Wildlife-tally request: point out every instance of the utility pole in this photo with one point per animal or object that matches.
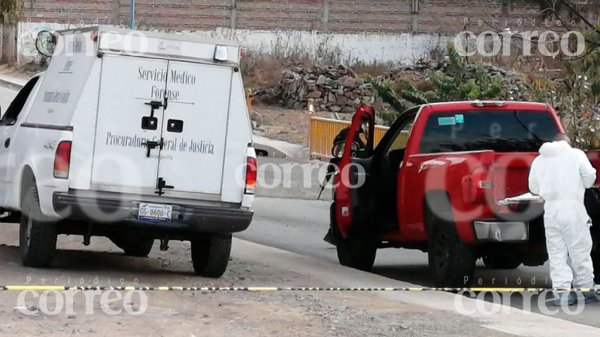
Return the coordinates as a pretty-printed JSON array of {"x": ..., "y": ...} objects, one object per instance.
[{"x": 132, "y": 14}]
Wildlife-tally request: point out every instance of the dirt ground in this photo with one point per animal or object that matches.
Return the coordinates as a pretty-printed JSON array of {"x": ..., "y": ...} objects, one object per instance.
[{"x": 201, "y": 313}]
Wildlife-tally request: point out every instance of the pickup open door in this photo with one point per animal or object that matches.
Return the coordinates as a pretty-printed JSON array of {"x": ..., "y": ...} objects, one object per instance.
[{"x": 349, "y": 175}]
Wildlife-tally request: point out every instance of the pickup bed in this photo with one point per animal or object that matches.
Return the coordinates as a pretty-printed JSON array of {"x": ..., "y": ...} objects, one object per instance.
[{"x": 438, "y": 182}]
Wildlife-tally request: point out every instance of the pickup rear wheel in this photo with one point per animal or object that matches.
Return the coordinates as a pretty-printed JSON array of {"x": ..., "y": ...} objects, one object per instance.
[
  {"x": 210, "y": 254},
  {"x": 356, "y": 253},
  {"x": 37, "y": 235},
  {"x": 451, "y": 261}
]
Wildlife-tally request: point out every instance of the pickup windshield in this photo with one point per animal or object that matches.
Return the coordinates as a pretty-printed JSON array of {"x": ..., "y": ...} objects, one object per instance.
[{"x": 500, "y": 131}]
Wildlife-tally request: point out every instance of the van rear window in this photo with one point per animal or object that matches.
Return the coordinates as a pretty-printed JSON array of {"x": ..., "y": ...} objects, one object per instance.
[{"x": 501, "y": 131}]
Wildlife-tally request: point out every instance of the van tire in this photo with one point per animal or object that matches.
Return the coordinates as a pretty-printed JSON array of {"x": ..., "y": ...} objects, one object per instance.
[
  {"x": 37, "y": 235},
  {"x": 137, "y": 247},
  {"x": 356, "y": 253},
  {"x": 210, "y": 254}
]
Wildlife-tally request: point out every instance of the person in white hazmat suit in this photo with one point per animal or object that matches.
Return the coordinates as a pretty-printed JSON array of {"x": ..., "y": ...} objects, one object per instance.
[{"x": 560, "y": 175}]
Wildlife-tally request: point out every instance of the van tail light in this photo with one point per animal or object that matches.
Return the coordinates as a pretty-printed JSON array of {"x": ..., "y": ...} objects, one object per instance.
[
  {"x": 62, "y": 160},
  {"x": 251, "y": 174}
]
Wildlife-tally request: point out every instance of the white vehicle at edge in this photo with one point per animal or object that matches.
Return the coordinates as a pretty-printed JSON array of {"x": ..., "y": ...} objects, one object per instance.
[{"x": 134, "y": 136}]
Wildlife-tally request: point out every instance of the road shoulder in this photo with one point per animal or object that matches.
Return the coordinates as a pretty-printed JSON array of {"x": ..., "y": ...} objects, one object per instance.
[{"x": 204, "y": 313}]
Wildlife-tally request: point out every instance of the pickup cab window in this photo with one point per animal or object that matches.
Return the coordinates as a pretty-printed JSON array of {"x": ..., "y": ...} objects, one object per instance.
[
  {"x": 14, "y": 109},
  {"x": 400, "y": 139},
  {"x": 500, "y": 131}
]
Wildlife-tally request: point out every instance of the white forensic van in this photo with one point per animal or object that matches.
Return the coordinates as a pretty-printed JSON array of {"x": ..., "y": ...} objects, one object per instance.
[{"x": 135, "y": 136}]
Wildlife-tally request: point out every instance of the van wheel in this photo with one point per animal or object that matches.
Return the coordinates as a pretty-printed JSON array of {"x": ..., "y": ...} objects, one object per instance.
[
  {"x": 135, "y": 247},
  {"x": 451, "y": 261},
  {"x": 210, "y": 254},
  {"x": 356, "y": 253},
  {"x": 37, "y": 235},
  {"x": 510, "y": 261}
]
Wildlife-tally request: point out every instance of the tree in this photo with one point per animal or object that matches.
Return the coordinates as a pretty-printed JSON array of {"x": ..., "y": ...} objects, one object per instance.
[
  {"x": 9, "y": 8},
  {"x": 458, "y": 81},
  {"x": 577, "y": 96}
]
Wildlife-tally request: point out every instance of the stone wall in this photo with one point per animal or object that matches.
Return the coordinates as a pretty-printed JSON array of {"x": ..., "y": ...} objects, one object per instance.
[{"x": 325, "y": 31}]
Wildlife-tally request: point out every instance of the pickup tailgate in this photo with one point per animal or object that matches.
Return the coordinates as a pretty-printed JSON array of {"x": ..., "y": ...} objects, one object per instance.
[{"x": 511, "y": 173}]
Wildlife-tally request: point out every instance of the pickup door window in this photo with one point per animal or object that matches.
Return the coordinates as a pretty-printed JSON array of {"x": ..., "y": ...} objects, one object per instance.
[
  {"x": 501, "y": 131},
  {"x": 395, "y": 152}
]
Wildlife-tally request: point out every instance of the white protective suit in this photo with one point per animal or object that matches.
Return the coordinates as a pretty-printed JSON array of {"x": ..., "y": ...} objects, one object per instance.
[{"x": 560, "y": 176}]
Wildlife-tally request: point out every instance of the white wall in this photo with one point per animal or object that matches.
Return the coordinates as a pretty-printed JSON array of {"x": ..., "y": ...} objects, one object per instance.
[
  {"x": 348, "y": 48},
  {"x": 403, "y": 48}
]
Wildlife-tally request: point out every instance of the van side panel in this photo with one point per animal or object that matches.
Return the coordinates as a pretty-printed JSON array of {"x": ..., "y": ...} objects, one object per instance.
[
  {"x": 34, "y": 149},
  {"x": 64, "y": 81},
  {"x": 239, "y": 136},
  {"x": 84, "y": 127}
]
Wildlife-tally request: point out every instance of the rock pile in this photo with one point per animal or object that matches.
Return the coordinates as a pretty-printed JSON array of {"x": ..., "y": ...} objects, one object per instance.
[
  {"x": 513, "y": 84},
  {"x": 335, "y": 89},
  {"x": 339, "y": 89}
]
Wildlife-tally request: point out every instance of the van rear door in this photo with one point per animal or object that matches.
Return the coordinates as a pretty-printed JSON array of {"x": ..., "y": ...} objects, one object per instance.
[
  {"x": 130, "y": 116},
  {"x": 161, "y": 127},
  {"x": 194, "y": 129}
]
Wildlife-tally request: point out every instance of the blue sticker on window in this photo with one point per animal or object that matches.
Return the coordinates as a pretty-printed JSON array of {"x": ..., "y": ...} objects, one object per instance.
[
  {"x": 460, "y": 119},
  {"x": 446, "y": 121}
]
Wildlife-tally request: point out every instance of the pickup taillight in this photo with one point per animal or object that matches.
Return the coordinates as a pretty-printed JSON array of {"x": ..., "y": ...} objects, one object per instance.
[
  {"x": 62, "y": 160},
  {"x": 251, "y": 174}
]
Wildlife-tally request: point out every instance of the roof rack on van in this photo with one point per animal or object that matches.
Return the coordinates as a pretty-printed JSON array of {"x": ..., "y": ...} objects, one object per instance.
[{"x": 182, "y": 46}]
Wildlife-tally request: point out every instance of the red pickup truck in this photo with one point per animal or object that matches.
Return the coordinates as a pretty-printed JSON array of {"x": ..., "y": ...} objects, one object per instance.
[{"x": 439, "y": 180}]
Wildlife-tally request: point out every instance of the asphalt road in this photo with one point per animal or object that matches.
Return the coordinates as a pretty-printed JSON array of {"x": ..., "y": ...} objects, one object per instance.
[
  {"x": 299, "y": 225},
  {"x": 292, "y": 219},
  {"x": 293, "y": 222}
]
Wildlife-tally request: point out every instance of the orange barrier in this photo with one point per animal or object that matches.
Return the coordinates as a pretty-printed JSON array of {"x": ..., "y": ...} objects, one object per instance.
[
  {"x": 250, "y": 100},
  {"x": 322, "y": 132}
]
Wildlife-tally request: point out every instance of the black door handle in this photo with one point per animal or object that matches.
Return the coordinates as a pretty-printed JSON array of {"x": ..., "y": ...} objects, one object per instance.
[
  {"x": 7, "y": 143},
  {"x": 152, "y": 145},
  {"x": 153, "y": 106},
  {"x": 162, "y": 184}
]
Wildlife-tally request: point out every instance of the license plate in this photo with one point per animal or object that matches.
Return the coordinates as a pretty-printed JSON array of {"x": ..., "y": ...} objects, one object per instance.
[{"x": 155, "y": 213}]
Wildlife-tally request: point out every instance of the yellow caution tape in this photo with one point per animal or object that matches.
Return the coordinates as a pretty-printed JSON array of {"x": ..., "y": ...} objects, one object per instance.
[
  {"x": 43, "y": 288},
  {"x": 33, "y": 288}
]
